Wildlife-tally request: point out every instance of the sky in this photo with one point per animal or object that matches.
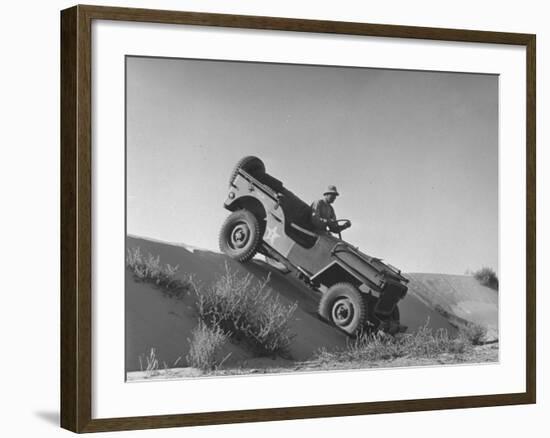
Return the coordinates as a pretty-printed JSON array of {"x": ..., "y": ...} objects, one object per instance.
[{"x": 413, "y": 154}]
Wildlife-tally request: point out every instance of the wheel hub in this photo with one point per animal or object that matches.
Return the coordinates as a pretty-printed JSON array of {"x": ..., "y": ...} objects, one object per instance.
[
  {"x": 342, "y": 312},
  {"x": 240, "y": 236}
]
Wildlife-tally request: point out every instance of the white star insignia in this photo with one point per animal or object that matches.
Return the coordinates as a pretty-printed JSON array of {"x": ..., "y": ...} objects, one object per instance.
[{"x": 271, "y": 234}]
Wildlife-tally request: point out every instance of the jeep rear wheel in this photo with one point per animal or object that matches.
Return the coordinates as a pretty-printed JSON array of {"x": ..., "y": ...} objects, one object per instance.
[
  {"x": 240, "y": 236},
  {"x": 343, "y": 305}
]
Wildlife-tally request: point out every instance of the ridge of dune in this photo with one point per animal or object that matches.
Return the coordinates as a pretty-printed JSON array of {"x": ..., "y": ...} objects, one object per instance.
[
  {"x": 190, "y": 248},
  {"x": 461, "y": 297}
]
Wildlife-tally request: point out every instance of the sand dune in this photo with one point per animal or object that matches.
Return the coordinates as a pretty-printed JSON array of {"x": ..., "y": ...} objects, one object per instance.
[
  {"x": 156, "y": 321},
  {"x": 460, "y": 296}
]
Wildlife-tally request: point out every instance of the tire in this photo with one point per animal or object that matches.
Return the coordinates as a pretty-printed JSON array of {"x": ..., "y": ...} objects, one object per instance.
[
  {"x": 250, "y": 164},
  {"x": 396, "y": 320},
  {"x": 392, "y": 324},
  {"x": 344, "y": 306},
  {"x": 395, "y": 315},
  {"x": 240, "y": 236},
  {"x": 372, "y": 322}
]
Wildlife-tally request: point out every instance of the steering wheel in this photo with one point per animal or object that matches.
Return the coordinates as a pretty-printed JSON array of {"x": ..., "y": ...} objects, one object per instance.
[
  {"x": 340, "y": 223},
  {"x": 344, "y": 222}
]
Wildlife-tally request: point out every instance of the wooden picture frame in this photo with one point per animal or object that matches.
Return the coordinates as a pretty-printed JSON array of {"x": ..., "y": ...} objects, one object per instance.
[{"x": 76, "y": 217}]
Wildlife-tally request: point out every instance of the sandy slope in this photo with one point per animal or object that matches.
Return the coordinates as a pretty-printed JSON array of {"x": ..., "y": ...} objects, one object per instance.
[
  {"x": 459, "y": 296},
  {"x": 153, "y": 320}
]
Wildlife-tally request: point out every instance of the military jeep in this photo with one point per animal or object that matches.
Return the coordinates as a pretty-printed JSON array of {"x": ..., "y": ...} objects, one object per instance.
[{"x": 359, "y": 292}]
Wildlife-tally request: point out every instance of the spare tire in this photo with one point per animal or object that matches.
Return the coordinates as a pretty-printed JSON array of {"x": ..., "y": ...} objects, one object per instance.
[{"x": 250, "y": 164}]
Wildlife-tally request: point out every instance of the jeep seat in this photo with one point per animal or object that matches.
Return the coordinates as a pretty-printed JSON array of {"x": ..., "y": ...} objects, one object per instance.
[
  {"x": 298, "y": 219},
  {"x": 273, "y": 183},
  {"x": 296, "y": 211}
]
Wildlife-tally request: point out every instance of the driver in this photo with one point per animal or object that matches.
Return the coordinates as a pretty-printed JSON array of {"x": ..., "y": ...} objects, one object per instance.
[{"x": 322, "y": 213}]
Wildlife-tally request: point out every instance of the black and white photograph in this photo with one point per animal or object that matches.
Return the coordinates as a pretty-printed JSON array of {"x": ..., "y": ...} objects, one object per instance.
[
  {"x": 287, "y": 218},
  {"x": 276, "y": 218}
]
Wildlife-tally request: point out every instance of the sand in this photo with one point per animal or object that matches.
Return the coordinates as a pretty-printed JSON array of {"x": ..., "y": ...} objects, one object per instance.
[{"x": 154, "y": 320}]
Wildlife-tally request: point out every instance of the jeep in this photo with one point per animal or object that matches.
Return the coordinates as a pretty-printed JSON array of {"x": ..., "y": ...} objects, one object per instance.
[{"x": 358, "y": 292}]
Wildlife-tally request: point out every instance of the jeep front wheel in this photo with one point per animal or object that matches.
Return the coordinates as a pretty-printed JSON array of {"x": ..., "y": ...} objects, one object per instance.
[
  {"x": 240, "y": 236},
  {"x": 343, "y": 305}
]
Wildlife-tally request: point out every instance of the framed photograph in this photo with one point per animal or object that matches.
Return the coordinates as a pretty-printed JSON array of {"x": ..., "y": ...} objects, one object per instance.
[{"x": 270, "y": 218}]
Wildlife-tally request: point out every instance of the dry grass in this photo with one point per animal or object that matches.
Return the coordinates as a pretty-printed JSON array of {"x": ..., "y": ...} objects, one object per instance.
[
  {"x": 149, "y": 269},
  {"x": 206, "y": 344},
  {"x": 425, "y": 343},
  {"x": 248, "y": 312},
  {"x": 475, "y": 333},
  {"x": 487, "y": 277},
  {"x": 151, "y": 363}
]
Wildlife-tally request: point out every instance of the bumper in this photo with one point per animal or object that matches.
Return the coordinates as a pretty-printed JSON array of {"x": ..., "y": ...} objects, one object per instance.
[{"x": 392, "y": 294}]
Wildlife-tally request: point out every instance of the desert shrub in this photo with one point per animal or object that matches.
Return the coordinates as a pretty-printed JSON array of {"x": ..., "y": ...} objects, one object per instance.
[
  {"x": 428, "y": 343},
  {"x": 149, "y": 363},
  {"x": 424, "y": 343},
  {"x": 149, "y": 269},
  {"x": 474, "y": 333},
  {"x": 249, "y": 312},
  {"x": 487, "y": 277},
  {"x": 205, "y": 348}
]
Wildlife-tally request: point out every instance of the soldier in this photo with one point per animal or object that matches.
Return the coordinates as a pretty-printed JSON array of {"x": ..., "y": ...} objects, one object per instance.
[{"x": 322, "y": 213}]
